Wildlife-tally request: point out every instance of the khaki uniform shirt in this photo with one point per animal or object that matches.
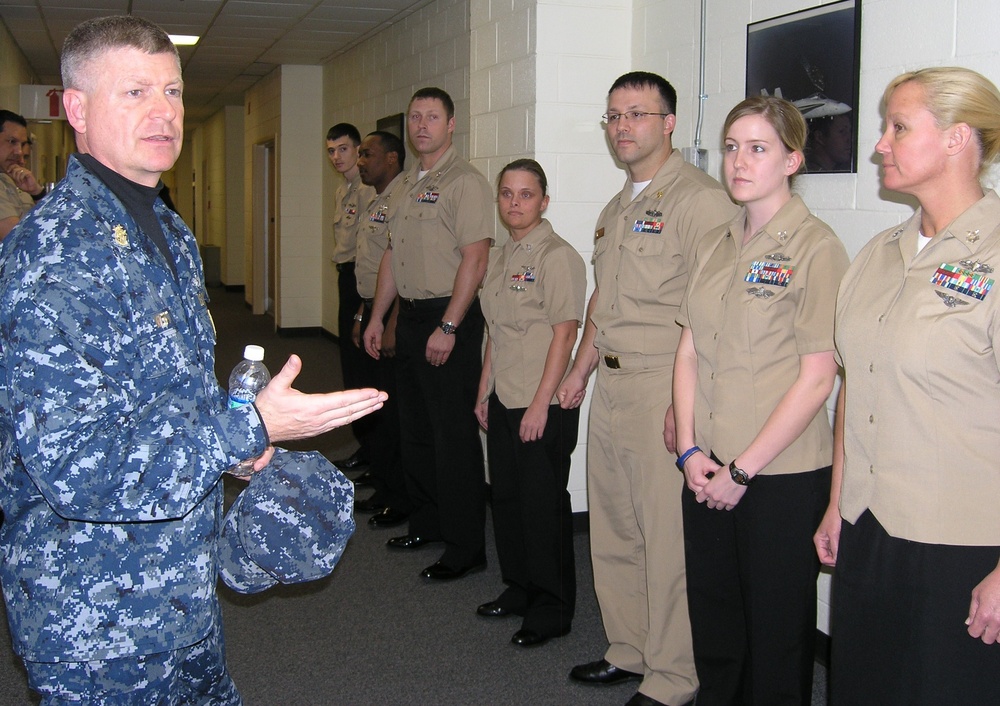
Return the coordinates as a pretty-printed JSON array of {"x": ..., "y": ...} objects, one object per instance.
[
  {"x": 642, "y": 252},
  {"x": 451, "y": 207},
  {"x": 373, "y": 235},
  {"x": 919, "y": 337},
  {"x": 530, "y": 286},
  {"x": 350, "y": 199},
  {"x": 753, "y": 310},
  {"x": 13, "y": 201}
]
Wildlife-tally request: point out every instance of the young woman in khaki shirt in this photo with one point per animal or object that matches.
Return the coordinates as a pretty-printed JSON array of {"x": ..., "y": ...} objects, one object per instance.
[
  {"x": 532, "y": 300},
  {"x": 754, "y": 369}
]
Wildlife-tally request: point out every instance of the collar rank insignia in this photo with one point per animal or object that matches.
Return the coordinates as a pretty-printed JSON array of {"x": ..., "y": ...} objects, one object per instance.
[
  {"x": 961, "y": 280},
  {"x": 760, "y": 292},
  {"x": 654, "y": 227},
  {"x": 778, "y": 257},
  {"x": 972, "y": 236},
  {"x": 428, "y": 197},
  {"x": 769, "y": 273},
  {"x": 120, "y": 235},
  {"x": 950, "y": 300}
]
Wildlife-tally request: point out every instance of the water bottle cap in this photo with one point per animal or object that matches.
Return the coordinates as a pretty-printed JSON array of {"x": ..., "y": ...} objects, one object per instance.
[{"x": 255, "y": 353}]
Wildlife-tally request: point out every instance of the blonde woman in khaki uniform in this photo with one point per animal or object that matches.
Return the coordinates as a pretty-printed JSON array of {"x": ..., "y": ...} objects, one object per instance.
[
  {"x": 754, "y": 368},
  {"x": 913, "y": 525}
]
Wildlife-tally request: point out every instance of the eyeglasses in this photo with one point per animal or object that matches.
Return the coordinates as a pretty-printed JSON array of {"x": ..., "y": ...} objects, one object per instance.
[{"x": 613, "y": 118}]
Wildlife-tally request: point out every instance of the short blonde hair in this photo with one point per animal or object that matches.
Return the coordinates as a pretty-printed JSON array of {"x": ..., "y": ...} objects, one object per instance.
[{"x": 954, "y": 94}]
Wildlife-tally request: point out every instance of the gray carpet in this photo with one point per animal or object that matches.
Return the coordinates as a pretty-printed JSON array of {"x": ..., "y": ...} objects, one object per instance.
[{"x": 374, "y": 632}]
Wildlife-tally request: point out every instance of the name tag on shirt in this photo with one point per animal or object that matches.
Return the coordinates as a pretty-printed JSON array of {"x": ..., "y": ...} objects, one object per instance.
[{"x": 769, "y": 273}]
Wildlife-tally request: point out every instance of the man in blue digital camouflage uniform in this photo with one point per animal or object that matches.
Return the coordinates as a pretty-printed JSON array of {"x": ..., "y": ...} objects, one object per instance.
[{"x": 114, "y": 432}]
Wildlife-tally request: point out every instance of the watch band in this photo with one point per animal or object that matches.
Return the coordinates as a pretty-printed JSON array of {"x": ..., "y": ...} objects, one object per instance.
[
  {"x": 739, "y": 476},
  {"x": 448, "y": 327}
]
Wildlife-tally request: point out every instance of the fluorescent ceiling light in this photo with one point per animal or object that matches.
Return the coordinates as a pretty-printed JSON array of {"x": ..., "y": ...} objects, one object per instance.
[{"x": 184, "y": 40}]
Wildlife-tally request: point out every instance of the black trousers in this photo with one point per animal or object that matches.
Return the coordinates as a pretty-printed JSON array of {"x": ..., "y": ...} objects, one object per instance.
[
  {"x": 533, "y": 515},
  {"x": 353, "y": 360},
  {"x": 386, "y": 461},
  {"x": 898, "y": 633},
  {"x": 441, "y": 449},
  {"x": 751, "y": 577}
]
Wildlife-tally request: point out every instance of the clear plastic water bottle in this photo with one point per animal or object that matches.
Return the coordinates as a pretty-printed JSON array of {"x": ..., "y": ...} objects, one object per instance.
[{"x": 247, "y": 379}]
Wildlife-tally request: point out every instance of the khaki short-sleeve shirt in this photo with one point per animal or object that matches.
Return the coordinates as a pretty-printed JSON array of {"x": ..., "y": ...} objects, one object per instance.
[
  {"x": 642, "y": 252},
  {"x": 752, "y": 310},
  {"x": 439, "y": 214},
  {"x": 12, "y": 199},
  {"x": 349, "y": 199},
  {"x": 919, "y": 337},
  {"x": 531, "y": 285},
  {"x": 374, "y": 234}
]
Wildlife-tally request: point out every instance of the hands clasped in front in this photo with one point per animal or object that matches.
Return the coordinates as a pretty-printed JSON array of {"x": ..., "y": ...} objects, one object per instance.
[{"x": 711, "y": 483}]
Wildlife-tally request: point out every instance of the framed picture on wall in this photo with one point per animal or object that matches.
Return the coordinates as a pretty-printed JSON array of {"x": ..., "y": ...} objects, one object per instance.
[
  {"x": 812, "y": 58},
  {"x": 393, "y": 124}
]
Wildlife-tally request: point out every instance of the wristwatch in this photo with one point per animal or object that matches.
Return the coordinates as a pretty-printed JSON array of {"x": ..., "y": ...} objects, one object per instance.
[
  {"x": 359, "y": 318},
  {"x": 448, "y": 327},
  {"x": 738, "y": 475}
]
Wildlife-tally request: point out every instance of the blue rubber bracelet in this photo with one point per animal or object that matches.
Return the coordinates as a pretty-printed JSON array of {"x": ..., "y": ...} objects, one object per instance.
[{"x": 685, "y": 456}]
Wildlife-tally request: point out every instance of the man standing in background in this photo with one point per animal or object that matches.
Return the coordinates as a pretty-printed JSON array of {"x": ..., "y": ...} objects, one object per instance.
[
  {"x": 18, "y": 187},
  {"x": 436, "y": 260},
  {"x": 342, "y": 141},
  {"x": 380, "y": 162},
  {"x": 645, "y": 245}
]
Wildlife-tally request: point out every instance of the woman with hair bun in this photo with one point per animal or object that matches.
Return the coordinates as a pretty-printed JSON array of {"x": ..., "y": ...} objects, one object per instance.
[
  {"x": 533, "y": 301},
  {"x": 753, "y": 372},
  {"x": 913, "y": 524}
]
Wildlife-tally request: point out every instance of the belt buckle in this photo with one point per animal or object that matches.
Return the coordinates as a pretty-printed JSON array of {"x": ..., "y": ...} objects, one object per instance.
[{"x": 612, "y": 362}]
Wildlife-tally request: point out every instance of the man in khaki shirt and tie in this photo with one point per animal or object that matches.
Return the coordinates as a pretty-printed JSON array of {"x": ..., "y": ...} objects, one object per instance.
[{"x": 645, "y": 242}]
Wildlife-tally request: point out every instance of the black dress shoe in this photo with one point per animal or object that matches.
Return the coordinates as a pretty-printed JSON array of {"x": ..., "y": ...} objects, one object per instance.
[
  {"x": 408, "y": 541},
  {"x": 355, "y": 460},
  {"x": 388, "y": 517},
  {"x": 493, "y": 610},
  {"x": 528, "y": 638},
  {"x": 640, "y": 699},
  {"x": 369, "y": 505},
  {"x": 439, "y": 571},
  {"x": 601, "y": 672},
  {"x": 364, "y": 479}
]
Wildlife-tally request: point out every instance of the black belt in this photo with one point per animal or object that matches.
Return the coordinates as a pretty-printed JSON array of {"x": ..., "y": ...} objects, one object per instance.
[
  {"x": 417, "y": 304},
  {"x": 345, "y": 266}
]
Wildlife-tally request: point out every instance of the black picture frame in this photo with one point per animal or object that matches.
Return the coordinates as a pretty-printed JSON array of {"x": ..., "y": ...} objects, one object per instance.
[
  {"x": 812, "y": 57},
  {"x": 393, "y": 124}
]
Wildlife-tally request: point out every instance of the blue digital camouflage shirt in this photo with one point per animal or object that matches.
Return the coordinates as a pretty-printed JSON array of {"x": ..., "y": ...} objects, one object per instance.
[{"x": 114, "y": 432}]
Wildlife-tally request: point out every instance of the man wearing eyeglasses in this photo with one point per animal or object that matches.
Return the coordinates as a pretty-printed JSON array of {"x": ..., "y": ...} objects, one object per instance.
[{"x": 645, "y": 243}]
